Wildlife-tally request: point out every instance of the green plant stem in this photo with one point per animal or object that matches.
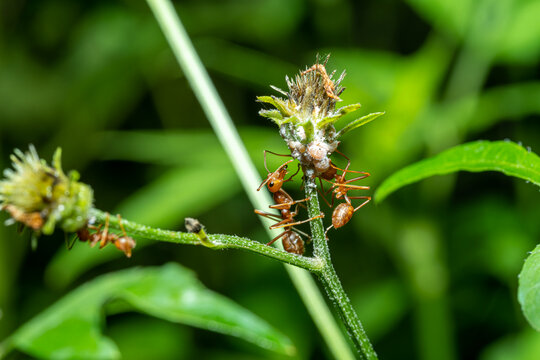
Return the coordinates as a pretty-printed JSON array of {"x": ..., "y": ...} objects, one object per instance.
[
  {"x": 219, "y": 241},
  {"x": 329, "y": 279},
  {"x": 224, "y": 128}
]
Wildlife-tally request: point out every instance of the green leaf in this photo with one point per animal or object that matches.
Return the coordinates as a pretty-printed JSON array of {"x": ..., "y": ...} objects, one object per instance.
[
  {"x": 273, "y": 114},
  {"x": 529, "y": 288},
  {"x": 519, "y": 42},
  {"x": 524, "y": 345},
  {"x": 276, "y": 102},
  {"x": 342, "y": 111},
  {"x": 359, "y": 122},
  {"x": 70, "y": 329},
  {"x": 504, "y": 156}
]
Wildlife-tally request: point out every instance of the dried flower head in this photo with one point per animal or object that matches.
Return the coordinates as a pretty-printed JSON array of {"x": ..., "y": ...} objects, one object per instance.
[
  {"x": 43, "y": 197},
  {"x": 306, "y": 117}
]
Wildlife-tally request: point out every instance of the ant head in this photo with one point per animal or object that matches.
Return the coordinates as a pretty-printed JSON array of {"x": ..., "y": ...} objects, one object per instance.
[{"x": 275, "y": 184}]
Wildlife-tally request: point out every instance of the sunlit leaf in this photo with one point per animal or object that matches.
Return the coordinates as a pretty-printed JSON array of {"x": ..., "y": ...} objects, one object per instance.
[
  {"x": 277, "y": 102},
  {"x": 520, "y": 42},
  {"x": 70, "y": 328},
  {"x": 342, "y": 111},
  {"x": 529, "y": 289},
  {"x": 524, "y": 345},
  {"x": 504, "y": 156},
  {"x": 359, "y": 122}
]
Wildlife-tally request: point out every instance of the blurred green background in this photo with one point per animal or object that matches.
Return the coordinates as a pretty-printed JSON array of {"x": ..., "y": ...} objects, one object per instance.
[{"x": 432, "y": 271}]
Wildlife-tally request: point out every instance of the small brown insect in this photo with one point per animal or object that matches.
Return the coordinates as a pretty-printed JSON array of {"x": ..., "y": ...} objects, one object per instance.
[
  {"x": 123, "y": 243},
  {"x": 275, "y": 180},
  {"x": 194, "y": 226},
  {"x": 329, "y": 87},
  {"x": 293, "y": 243},
  {"x": 33, "y": 220}
]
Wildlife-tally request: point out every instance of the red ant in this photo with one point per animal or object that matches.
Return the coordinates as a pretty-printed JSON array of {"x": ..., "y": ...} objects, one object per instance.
[
  {"x": 274, "y": 180},
  {"x": 33, "y": 220},
  {"x": 123, "y": 243},
  {"x": 292, "y": 242},
  {"x": 343, "y": 212}
]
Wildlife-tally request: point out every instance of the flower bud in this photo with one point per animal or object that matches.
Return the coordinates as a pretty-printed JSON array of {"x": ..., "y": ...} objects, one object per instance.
[{"x": 43, "y": 197}]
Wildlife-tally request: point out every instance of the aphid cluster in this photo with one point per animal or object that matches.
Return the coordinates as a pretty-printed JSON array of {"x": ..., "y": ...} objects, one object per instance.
[
  {"x": 306, "y": 119},
  {"x": 123, "y": 243}
]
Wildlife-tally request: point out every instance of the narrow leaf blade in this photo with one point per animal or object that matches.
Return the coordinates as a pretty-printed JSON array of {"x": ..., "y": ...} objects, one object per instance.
[
  {"x": 342, "y": 111},
  {"x": 359, "y": 122},
  {"x": 503, "y": 156}
]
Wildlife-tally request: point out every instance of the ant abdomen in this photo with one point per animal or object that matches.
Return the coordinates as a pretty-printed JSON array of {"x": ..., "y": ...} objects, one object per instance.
[
  {"x": 342, "y": 214},
  {"x": 293, "y": 243}
]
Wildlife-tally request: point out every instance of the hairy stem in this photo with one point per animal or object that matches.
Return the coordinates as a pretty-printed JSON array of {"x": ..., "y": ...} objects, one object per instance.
[
  {"x": 329, "y": 279},
  {"x": 221, "y": 122},
  {"x": 218, "y": 240}
]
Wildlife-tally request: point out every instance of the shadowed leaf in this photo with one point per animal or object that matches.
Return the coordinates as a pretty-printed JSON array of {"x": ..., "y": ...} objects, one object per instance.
[{"x": 71, "y": 328}]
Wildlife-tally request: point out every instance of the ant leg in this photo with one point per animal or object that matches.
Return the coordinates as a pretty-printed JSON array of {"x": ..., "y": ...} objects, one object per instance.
[
  {"x": 287, "y": 204},
  {"x": 97, "y": 228},
  {"x": 348, "y": 160},
  {"x": 277, "y": 226},
  {"x": 299, "y": 232},
  {"x": 368, "y": 199},
  {"x": 293, "y": 175},
  {"x": 283, "y": 223},
  {"x": 322, "y": 196},
  {"x": 330, "y": 182},
  {"x": 353, "y": 187},
  {"x": 326, "y": 232},
  {"x": 267, "y": 215},
  {"x": 366, "y": 174},
  {"x": 273, "y": 153},
  {"x": 276, "y": 238},
  {"x": 264, "y": 156},
  {"x": 105, "y": 234},
  {"x": 359, "y": 172},
  {"x": 120, "y": 223}
]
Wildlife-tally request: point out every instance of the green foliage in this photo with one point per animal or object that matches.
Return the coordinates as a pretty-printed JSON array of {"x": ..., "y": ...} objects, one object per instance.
[
  {"x": 529, "y": 291},
  {"x": 504, "y": 156},
  {"x": 359, "y": 122},
  {"x": 70, "y": 329},
  {"x": 98, "y": 79}
]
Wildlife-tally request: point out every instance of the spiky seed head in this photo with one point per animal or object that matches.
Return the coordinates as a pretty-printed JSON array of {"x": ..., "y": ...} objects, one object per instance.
[{"x": 42, "y": 196}]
